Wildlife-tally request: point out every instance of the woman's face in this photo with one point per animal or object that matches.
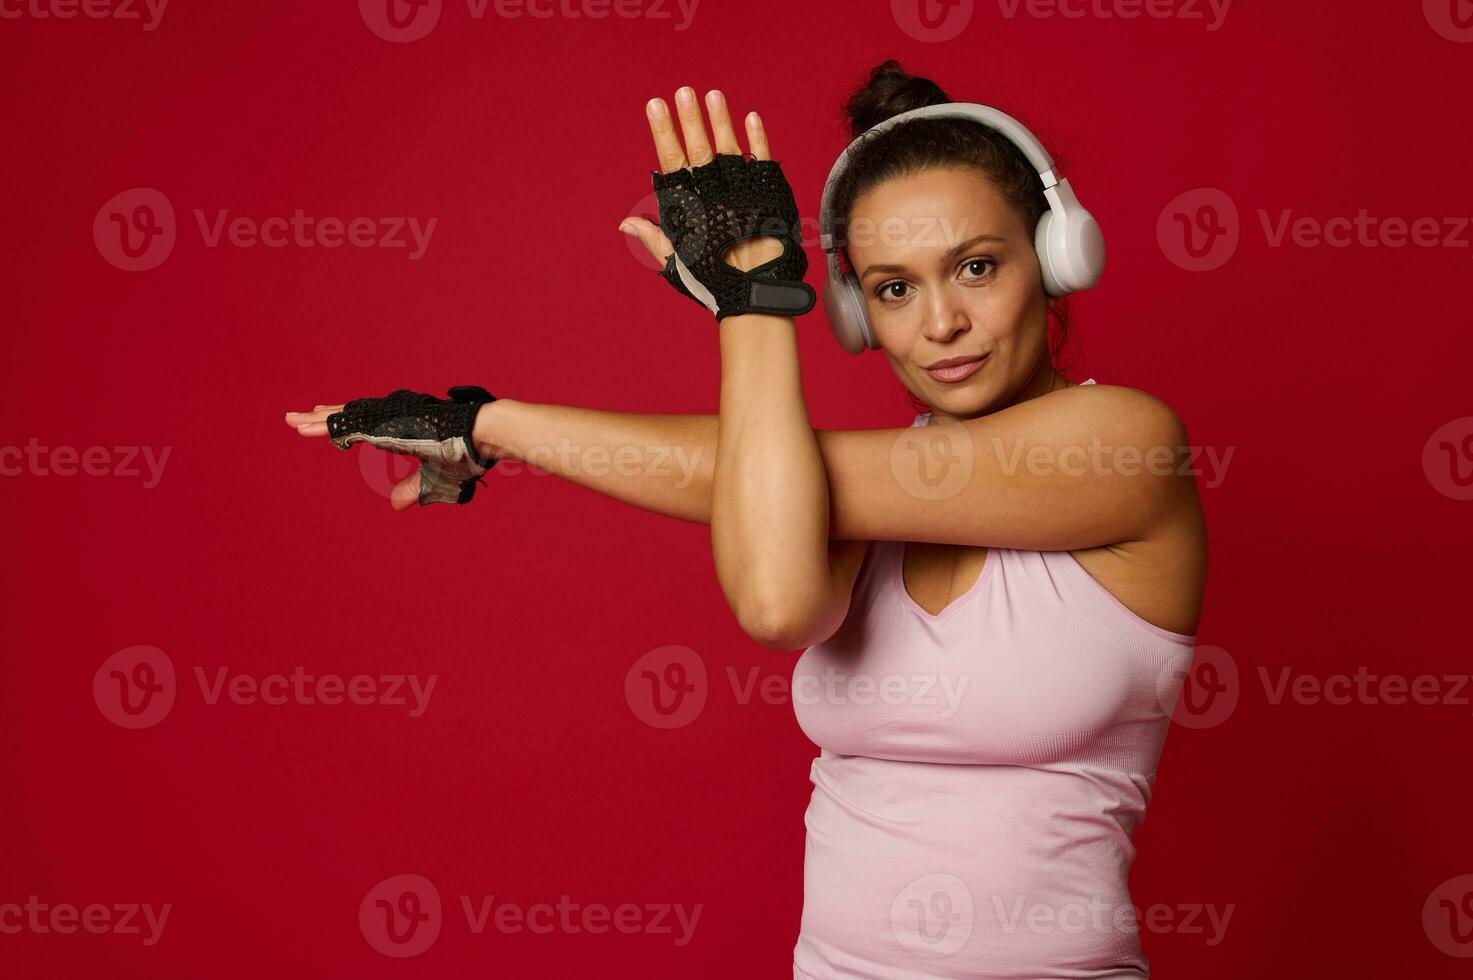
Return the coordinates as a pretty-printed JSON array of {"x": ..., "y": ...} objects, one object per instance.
[{"x": 949, "y": 273}]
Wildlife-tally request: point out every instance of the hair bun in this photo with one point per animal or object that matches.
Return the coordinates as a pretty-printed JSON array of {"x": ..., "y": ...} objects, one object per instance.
[{"x": 888, "y": 92}]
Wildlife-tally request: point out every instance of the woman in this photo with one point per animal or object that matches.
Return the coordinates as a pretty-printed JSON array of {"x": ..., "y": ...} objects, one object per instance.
[{"x": 997, "y": 603}]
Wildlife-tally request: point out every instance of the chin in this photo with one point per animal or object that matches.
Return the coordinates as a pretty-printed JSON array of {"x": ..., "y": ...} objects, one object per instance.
[{"x": 965, "y": 403}]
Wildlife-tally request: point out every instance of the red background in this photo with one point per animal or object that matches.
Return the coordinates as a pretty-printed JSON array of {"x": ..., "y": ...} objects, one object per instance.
[{"x": 1325, "y": 369}]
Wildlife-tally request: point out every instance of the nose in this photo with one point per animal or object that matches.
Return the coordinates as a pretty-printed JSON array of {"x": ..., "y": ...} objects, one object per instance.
[{"x": 946, "y": 316}]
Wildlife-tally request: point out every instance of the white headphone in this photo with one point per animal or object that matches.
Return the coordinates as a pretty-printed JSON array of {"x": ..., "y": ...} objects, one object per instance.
[{"x": 1071, "y": 249}]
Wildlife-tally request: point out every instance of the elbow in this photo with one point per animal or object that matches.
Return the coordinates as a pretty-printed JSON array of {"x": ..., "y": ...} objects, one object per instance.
[{"x": 782, "y": 626}]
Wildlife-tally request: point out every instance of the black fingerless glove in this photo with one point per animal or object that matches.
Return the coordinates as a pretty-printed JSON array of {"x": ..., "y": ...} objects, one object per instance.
[
  {"x": 706, "y": 209},
  {"x": 435, "y": 430}
]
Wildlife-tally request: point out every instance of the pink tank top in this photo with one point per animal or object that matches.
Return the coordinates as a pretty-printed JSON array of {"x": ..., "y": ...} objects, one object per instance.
[{"x": 980, "y": 775}]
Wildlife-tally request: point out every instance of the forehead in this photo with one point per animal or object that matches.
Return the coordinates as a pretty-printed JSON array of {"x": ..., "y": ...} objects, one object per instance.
[{"x": 934, "y": 208}]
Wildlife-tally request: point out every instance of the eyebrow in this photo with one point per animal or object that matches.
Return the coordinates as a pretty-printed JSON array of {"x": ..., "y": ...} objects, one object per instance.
[{"x": 951, "y": 254}]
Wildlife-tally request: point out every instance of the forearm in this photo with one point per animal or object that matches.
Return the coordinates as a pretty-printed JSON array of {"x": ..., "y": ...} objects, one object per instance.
[
  {"x": 665, "y": 464},
  {"x": 770, "y": 500},
  {"x": 659, "y": 463}
]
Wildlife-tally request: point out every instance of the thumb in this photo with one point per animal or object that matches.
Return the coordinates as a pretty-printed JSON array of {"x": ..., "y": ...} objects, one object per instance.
[
  {"x": 405, "y": 493},
  {"x": 650, "y": 236}
]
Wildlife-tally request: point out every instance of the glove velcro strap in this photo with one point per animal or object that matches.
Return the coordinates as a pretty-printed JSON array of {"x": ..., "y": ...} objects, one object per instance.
[{"x": 777, "y": 298}]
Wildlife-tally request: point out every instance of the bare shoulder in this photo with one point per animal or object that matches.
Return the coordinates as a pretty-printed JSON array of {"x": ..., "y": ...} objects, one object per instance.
[
  {"x": 1161, "y": 575},
  {"x": 1121, "y": 410}
]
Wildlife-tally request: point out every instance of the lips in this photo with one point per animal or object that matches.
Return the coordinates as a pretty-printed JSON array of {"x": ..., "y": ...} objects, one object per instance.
[{"x": 954, "y": 369}]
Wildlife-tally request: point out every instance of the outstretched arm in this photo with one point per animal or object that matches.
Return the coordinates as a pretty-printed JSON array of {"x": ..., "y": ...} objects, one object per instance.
[{"x": 1078, "y": 468}]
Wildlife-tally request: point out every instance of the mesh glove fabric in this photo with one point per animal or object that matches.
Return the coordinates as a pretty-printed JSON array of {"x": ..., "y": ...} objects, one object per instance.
[
  {"x": 436, "y": 430},
  {"x": 706, "y": 209}
]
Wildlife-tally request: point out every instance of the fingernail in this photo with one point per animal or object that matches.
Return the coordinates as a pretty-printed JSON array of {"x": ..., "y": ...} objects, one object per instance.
[
  {"x": 625, "y": 228},
  {"x": 656, "y": 108},
  {"x": 686, "y": 96},
  {"x": 716, "y": 99}
]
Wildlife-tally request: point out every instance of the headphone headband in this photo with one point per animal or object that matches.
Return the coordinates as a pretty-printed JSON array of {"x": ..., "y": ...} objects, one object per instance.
[{"x": 995, "y": 119}]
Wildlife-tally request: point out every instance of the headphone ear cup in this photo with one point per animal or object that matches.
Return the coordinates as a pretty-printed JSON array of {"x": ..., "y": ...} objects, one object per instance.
[
  {"x": 1046, "y": 255},
  {"x": 1071, "y": 251},
  {"x": 843, "y": 301}
]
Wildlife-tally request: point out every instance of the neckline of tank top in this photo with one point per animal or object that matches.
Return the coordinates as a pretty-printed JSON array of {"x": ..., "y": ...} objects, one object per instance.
[
  {"x": 897, "y": 577},
  {"x": 926, "y": 415}
]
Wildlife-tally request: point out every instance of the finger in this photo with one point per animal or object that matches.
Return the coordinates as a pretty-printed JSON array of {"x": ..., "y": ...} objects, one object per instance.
[
  {"x": 692, "y": 127},
  {"x": 319, "y": 414},
  {"x": 312, "y": 429},
  {"x": 405, "y": 493},
  {"x": 667, "y": 144},
  {"x": 650, "y": 236},
  {"x": 721, "y": 125},
  {"x": 757, "y": 137}
]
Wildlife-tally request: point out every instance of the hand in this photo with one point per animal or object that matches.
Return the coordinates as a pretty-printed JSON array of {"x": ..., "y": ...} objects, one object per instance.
[
  {"x": 420, "y": 426},
  {"x": 697, "y": 151},
  {"x": 313, "y": 424}
]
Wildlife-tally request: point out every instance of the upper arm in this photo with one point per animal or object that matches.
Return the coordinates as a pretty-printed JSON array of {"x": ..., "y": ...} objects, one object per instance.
[{"x": 1082, "y": 467}]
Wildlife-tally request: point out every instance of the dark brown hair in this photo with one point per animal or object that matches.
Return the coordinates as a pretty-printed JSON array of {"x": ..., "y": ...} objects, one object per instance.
[{"x": 920, "y": 144}]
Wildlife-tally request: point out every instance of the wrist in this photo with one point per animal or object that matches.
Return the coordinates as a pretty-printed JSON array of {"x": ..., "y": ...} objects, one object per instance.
[{"x": 491, "y": 431}]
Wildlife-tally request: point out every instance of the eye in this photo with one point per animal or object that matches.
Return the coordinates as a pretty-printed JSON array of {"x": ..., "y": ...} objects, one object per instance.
[
  {"x": 982, "y": 267},
  {"x": 892, "y": 291}
]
